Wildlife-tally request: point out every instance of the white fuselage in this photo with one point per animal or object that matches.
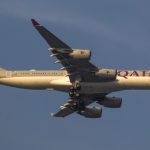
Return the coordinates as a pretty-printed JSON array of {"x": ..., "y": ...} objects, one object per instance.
[{"x": 58, "y": 80}]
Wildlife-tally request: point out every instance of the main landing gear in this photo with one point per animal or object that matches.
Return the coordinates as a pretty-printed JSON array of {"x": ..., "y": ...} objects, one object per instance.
[
  {"x": 75, "y": 94},
  {"x": 75, "y": 90}
]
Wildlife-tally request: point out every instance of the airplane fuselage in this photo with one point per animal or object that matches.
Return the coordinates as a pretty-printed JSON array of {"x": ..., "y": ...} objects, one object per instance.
[
  {"x": 82, "y": 80},
  {"x": 59, "y": 80}
]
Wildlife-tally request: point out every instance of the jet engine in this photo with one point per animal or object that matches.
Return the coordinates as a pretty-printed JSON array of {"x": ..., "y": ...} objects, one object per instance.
[
  {"x": 107, "y": 74},
  {"x": 80, "y": 54},
  {"x": 91, "y": 112},
  {"x": 111, "y": 102}
]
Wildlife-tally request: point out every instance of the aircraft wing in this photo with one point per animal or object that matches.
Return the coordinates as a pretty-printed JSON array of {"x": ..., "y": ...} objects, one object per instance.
[
  {"x": 51, "y": 39},
  {"x": 61, "y": 51},
  {"x": 65, "y": 110},
  {"x": 82, "y": 109}
]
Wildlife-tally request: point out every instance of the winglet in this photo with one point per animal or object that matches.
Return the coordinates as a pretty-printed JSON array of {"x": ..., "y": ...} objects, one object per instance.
[{"x": 35, "y": 23}]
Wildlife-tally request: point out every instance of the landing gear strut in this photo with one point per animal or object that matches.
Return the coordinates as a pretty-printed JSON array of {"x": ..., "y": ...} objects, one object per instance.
[{"x": 79, "y": 105}]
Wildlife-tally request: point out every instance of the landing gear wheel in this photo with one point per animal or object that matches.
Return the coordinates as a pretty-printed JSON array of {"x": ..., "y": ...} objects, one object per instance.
[
  {"x": 71, "y": 94},
  {"x": 74, "y": 94},
  {"x": 77, "y": 95},
  {"x": 77, "y": 86},
  {"x": 72, "y": 89}
]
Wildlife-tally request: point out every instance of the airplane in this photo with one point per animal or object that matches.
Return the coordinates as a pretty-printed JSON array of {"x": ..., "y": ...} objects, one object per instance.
[{"x": 85, "y": 82}]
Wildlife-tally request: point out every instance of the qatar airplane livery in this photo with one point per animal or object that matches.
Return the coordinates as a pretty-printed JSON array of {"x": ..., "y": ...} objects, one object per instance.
[{"x": 84, "y": 81}]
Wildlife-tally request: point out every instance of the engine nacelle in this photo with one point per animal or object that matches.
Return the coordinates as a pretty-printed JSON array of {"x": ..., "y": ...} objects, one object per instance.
[
  {"x": 107, "y": 74},
  {"x": 80, "y": 54},
  {"x": 91, "y": 112},
  {"x": 111, "y": 102}
]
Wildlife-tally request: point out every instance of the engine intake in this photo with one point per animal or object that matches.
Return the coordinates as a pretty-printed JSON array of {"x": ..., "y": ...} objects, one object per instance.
[
  {"x": 111, "y": 102},
  {"x": 91, "y": 112},
  {"x": 107, "y": 74},
  {"x": 80, "y": 54}
]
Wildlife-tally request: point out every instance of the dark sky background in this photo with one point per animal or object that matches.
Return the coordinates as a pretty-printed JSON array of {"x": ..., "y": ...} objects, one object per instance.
[{"x": 117, "y": 32}]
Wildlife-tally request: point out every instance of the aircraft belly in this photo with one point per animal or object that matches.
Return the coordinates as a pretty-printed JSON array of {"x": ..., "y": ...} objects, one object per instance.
[
  {"x": 62, "y": 83},
  {"x": 46, "y": 82},
  {"x": 141, "y": 83},
  {"x": 121, "y": 83},
  {"x": 100, "y": 87}
]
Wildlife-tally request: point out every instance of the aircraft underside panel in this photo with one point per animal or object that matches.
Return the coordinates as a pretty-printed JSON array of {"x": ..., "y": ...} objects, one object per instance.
[
  {"x": 132, "y": 83},
  {"x": 50, "y": 83}
]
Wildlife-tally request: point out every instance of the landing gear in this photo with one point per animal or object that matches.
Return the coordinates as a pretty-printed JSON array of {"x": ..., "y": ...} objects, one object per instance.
[
  {"x": 74, "y": 90},
  {"x": 75, "y": 94},
  {"x": 77, "y": 86},
  {"x": 79, "y": 105},
  {"x": 71, "y": 94}
]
